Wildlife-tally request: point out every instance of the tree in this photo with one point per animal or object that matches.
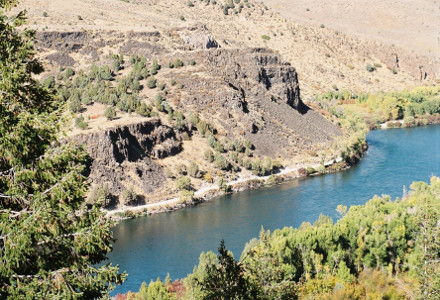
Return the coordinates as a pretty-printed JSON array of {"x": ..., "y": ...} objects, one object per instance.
[
  {"x": 50, "y": 241},
  {"x": 225, "y": 280},
  {"x": 428, "y": 246}
]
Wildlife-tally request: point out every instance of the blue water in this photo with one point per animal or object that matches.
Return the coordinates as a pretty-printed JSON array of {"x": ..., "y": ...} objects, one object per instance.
[{"x": 153, "y": 246}]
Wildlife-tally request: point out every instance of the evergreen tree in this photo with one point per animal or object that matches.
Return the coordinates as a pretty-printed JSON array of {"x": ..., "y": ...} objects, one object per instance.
[
  {"x": 49, "y": 239},
  {"x": 225, "y": 280}
]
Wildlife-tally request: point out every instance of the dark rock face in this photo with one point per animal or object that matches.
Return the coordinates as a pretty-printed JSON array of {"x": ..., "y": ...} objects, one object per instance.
[
  {"x": 126, "y": 153},
  {"x": 251, "y": 93},
  {"x": 88, "y": 43}
]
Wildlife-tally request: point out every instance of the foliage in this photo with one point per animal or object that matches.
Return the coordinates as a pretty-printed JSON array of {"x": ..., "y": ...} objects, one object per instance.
[
  {"x": 225, "y": 280},
  {"x": 80, "y": 123},
  {"x": 99, "y": 194},
  {"x": 223, "y": 185},
  {"x": 380, "y": 250},
  {"x": 110, "y": 113},
  {"x": 184, "y": 183},
  {"x": 155, "y": 290},
  {"x": 193, "y": 169},
  {"x": 128, "y": 196},
  {"x": 50, "y": 243}
]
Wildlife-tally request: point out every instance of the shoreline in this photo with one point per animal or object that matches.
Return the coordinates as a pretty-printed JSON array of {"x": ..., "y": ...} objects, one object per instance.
[{"x": 212, "y": 191}]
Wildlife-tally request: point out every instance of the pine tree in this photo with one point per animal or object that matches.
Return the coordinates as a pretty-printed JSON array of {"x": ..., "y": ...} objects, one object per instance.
[
  {"x": 49, "y": 239},
  {"x": 225, "y": 280}
]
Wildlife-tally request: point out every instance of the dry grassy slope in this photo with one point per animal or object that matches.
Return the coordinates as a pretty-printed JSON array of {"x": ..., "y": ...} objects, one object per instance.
[
  {"x": 322, "y": 56},
  {"x": 413, "y": 25}
]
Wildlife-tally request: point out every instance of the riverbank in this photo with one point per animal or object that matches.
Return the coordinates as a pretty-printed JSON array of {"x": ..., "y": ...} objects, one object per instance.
[{"x": 212, "y": 191}]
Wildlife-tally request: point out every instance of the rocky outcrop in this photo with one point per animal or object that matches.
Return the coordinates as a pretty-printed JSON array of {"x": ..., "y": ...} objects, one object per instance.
[
  {"x": 89, "y": 44},
  {"x": 125, "y": 155},
  {"x": 252, "y": 93}
]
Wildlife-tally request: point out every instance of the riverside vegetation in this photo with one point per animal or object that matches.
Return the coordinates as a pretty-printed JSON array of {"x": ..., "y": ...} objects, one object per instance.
[{"x": 381, "y": 250}]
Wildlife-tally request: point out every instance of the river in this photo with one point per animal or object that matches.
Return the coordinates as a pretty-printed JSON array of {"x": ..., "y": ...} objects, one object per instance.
[{"x": 150, "y": 247}]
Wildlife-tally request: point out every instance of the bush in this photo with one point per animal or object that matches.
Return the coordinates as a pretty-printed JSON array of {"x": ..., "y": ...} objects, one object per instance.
[
  {"x": 110, "y": 113},
  {"x": 99, "y": 194},
  {"x": 310, "y": 170},
  {"x": 184, "y": 183},
  {"x": 265, "y": 37},
  {"x": 221, "y": 162},
  {"x": 192, "y": 62},
  {"x": 190, "y": 4},
  {"x": 208, "y": 177},
  {"x": 370, "y": 68},
  {"x": 247, "y": 143},
  {"x": 80, "y": 123},
  {"x": 74, "y": 104},
  {"x": 154, "y": 67},
  {"x": 223, "y": 186},
  {"x": 209, "y": 156},
  {"x": 151, "y": 82},
  {"x": 193, "y": 170},
  {"x": 302, "y": 172},
  {"x": 178, "y": 63},
  {"x": 182, "y": 18},
  {"x": 181, "y": 169},
  {"x": 144, "y": 110},
  {"x": 128, "y": 196}
]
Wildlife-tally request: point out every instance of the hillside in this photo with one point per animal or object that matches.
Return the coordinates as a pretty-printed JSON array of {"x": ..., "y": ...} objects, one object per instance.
[{"x": 223, "y": 85}]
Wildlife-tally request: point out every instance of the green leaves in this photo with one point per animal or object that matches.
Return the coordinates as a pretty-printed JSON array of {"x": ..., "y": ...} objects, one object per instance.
[{"x": 48, "y": 237}]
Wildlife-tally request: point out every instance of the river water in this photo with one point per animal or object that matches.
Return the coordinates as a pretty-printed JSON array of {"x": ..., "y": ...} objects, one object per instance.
[{"x": 150, "y": 247}]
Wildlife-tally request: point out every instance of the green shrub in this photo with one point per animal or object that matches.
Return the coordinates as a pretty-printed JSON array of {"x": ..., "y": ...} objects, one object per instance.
[
  {"x": 99, "y": 194},
  {"x": 190, "y": 4},
  {"x": 154, "y": 67},
  {"x": 209, "y": 155},
  {"x": 221, "y": 162},
  {"x": 80, "y": 123},
  {"x": 110, "y": 113},
  {"x": 45, "y": 14},
  {"x": 247, "y": 143},
  {"x": 74, "y": 104},
  {"x": 144, "y": 110},
  {"x": 178, "y": 63},
  {"x": 265, "y": 37},
  {"x": 182, "y": 18},
  {"x": 184, "y": 183},
  {"x": 223, "y": 186},
  {"x": 370, "y": 68},
  {"x": 128, "y": 196},
  {"x": 310, "y": 170},
  {"x": 192, "y": 62},
  {"x": 151, "y": 82},
  {"x": 181, "y": 169},
  {"x": 193, "y": 170}
]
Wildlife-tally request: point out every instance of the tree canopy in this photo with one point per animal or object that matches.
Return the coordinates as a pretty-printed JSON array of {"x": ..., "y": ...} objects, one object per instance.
[{"x": 50, "y": 241}]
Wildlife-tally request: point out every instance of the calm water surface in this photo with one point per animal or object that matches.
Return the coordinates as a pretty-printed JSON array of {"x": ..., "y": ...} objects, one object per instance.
[{"x": 153, "y": 246}]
